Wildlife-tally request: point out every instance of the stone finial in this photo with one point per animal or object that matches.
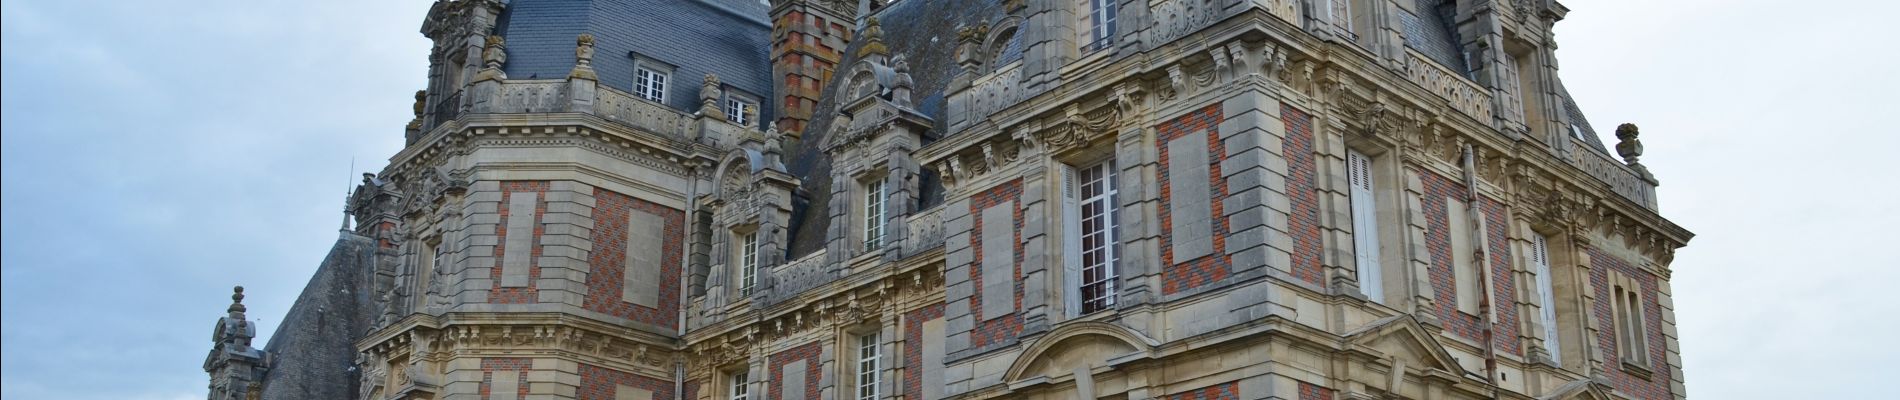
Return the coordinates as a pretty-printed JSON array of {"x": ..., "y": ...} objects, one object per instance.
[
  {"x": 873, "y": 40},
  {"x": 902, "y": 83},
  {"x": 237, "y": 302},
  {"x": 774, "y": 141},
  {"x": 1631, "y": 149},
  {"x": 494, "y": 54},
  {"x": 969, "y": 46},
  {"x": 709, "y": 98},
  {"x": 583, "y": 58},
  {"x": 422, "y": 98}
]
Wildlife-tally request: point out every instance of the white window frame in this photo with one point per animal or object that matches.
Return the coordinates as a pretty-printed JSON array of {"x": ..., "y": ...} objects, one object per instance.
[
  {"x": 736, "y": 109},
  {"x": 1098, "y": 31},
  {"x": 870, "y": 356},
  {"x": 1546, "y": 295},
  {"x": 650, "y": 83},
  {"x": 736, "y": 386},
  {"x": 748, "y": 262},
  {"x": 1365, "y": 225},
  {"x": 1632, "y": 338},
  {"x": 1091, "y": 237},
  {"x": 876, "y": 199}
]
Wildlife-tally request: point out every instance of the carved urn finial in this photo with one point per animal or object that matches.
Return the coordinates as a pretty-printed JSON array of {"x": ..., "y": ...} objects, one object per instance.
[
  {"x": 873, "y": 40},
  {"x": 969, "y": 46},
  {"x": 709, "y": 98},
  {"x": 583, "y": 57},
  {"x": 901, "y": 87},
  {"x": 422, "y": 97},
  {"x": 1631, "y": 149}
]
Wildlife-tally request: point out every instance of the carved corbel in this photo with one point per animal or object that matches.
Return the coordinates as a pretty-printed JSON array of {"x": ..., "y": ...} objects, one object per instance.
[{"x": 1223, "y": 66}]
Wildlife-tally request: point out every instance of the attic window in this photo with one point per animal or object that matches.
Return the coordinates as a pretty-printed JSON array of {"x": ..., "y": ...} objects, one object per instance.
[{"x": 1576, "y": 132}]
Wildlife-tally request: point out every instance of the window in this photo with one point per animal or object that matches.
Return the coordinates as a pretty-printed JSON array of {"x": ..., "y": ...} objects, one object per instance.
[
  {"x": 736, "y": 386},
  {"x": 1365, "y": 225},
  {"x": 874, "y": 196},
  {"x": 1626, "y": 302},
  {"x": 1339, "y": 12},
  {"x": 1576, "y": 132},
  {"x": 1546, "y": 298},
  {"x": 748, "y": 262},
  {"x": 1100, "y": 29},
  {"x": 736, "y": 110},
  {"x": 650, "y": 84},
  {"x": 1090, "y": 237},
  {"x": 868, "y": 357},
  {"x": 1464, "y": 263}
]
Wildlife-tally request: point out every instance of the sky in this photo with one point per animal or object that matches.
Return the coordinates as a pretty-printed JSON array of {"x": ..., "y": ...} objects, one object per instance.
[{"x": 155, "y": 153}]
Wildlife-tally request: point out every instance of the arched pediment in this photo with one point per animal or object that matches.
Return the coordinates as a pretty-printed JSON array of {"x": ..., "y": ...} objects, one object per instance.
[
  {"x": 1083, "y": 344},
  {"x": 736, "y": 173},
  {"x": 1578, "y": 390}
]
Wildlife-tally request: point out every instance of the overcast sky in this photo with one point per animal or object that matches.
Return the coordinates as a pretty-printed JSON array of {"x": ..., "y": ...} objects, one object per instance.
[{"x": 157, "y": 152}]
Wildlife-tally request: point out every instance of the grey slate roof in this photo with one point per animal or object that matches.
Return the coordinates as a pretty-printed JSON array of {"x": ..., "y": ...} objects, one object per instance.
[
  {"x": 925, "y": 33},
  {"x": 313, "y": 352},
  {"x": 731, "y": 38}
]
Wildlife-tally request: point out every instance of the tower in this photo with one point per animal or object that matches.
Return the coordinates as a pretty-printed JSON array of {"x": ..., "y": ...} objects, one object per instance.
[{"x": 808, "y": 41}]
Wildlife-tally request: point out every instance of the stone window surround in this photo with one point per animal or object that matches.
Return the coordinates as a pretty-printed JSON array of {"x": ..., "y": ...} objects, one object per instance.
[
  {"x": 751, "y": 101},
  {"x": 664, "y": 70}
]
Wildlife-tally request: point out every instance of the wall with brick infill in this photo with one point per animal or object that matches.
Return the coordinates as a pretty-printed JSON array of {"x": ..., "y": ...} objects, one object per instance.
[
  {"x": 1656, "y": 386},
  {"x": 992, "y": 329},
  {"x": 1302, "y": 183},
  {"x": 1178, "y": 274},
  {"x": 608, "y": 261},
  {"x": 519, "y": 295},
  {"x": 1439, "y": 191},
  {"x": 517, "y": 367},
  {"x": 914, "y": 348},
  {"x": 598, "y": 383},
  {"x": 1310, "y": 391},
  {"x": 814, "y": 370},
  {"x": 1224, "y": 391}
]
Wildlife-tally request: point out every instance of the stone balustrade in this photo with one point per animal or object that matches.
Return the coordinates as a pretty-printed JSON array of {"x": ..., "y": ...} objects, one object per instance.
[
  {"x": 925, "y": 231},
  {"x": 1465, "y": 96},
  {"x": 1621, "y": 179}
]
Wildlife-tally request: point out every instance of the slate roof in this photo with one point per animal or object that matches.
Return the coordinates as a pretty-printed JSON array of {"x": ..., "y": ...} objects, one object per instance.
[
  {"x": 731, "y": 38},
  {"x": 925, "y": 33},
  {"x": 313, "y": 352}
]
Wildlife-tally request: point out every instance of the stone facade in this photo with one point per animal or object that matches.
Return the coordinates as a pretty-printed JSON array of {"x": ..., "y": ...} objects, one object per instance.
[{"x": 1123, "y": 199}]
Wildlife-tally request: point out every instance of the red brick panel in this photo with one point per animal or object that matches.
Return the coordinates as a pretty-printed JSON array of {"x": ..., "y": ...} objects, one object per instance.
[
  {"x": 777, "y": 362},
  {"x": 1008, "y": 327},
  {"x": 1656, "y": 387},
  {"x": 1178, "y": 275},
  {"x": 529, "y": 294},
  {"x": 600, "y": 383},
  {"x": 914, "y": 347},
  {"x": 492, "y": 365},
  {"x": 1439, "y": 191},
  {"x": 1310, "y": 391},
  {"x": 607, "y": 262},
  {"x": 1224, "y": 391},
  {"x": 1302, "y": 186}
]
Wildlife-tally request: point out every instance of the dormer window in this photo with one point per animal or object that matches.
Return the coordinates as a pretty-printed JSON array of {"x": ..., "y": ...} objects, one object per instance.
[
  {"x": 650, "y": 84},
  {"x": 748, "y": 253},
  {"x": 874, "y": 199},
  {"x": 736, "y": 110}
]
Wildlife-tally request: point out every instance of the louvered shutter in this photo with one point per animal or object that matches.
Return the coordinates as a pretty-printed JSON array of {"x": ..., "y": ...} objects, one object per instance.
[
  {"x": 1365, "y": 225},
  {"x": 1071, "y": 243},
  {"x": 1546, "y": 298}
]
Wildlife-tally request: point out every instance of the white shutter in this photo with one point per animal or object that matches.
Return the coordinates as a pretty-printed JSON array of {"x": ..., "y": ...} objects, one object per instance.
[
  {"x": 1071, "y": 243},
  {"x": 1546, "y": 298},
  {"x": 1365, "y": 225}
]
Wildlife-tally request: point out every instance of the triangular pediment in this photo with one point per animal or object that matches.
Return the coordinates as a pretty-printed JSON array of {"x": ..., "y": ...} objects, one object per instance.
[
  {"x": 1578, "y": 390},
  {"x": 1402, "y": 337}
]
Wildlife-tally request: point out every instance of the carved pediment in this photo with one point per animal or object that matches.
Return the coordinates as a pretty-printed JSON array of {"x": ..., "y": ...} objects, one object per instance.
[
  {"x": 1081, "y": 345},
  {"x": 1402, "y": 337},
  {"x": 1579, "y": 390}
]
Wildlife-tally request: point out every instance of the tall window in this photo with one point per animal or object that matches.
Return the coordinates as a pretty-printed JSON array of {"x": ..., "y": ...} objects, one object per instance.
[
  {"x": 874, "y": 196},
  {"x": 736, "y": 110},
  {"x": 1627, "y": 304},
  {"x": 736, "y": 386},
  {"x": 868, "y": 357},
  {"x": 1365, "y": 225},
  {"x": 1089, "y": 207},
  {"x": 1464, "y": 263},
  {"x": 1546, "y": 298},
  {"x": 1340, "y": 14},
  {"x": 1101, "y": 25},
  {"x": 748, "y": 262},
  {"x": 650, "y": 84}
]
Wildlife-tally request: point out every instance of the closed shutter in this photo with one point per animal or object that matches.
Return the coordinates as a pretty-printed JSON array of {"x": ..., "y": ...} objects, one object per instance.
[
  {"x": 1071, "y": 243},
  {"x": 1546, "y": 298},
  {"x": 1365, "y": 225}
]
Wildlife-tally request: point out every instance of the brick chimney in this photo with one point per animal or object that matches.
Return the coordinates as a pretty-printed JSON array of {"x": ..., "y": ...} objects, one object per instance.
[{"x": 808, "y": 42}]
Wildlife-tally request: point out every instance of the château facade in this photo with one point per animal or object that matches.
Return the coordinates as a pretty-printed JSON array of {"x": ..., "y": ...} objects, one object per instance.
[{"x": 987, "y": 199}]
